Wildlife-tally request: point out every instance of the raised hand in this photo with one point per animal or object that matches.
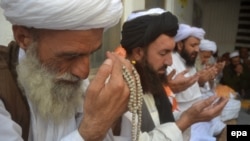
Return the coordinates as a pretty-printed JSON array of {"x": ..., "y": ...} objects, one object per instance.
[
  {"x": 180, "y": 82},
  {"x": 203, "y": 110},
  {"x": 106, "y": 98}
]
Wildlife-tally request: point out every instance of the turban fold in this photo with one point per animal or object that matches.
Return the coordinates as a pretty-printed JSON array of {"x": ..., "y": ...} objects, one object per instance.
[
  {"x": 185, "y": 31},
  {"x": 207, "y": 45},
  {"x": 63, "y": 14},
  {"x": 141, "y": 30}
]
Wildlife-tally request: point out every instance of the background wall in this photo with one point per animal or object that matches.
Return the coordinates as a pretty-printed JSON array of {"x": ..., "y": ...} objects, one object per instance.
[
  {"x": 220, "y": 21},
  {"x": 183, "y": 9}
]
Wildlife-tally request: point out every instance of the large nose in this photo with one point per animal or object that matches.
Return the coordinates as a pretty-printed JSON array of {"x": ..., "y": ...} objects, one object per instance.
[
  {"x": 168, "y": 59},
  {"x": 80, "y": 67},
  {"x": 197, "y": 48}
]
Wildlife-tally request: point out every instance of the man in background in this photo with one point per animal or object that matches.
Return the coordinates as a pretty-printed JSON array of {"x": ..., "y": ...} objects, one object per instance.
[{"x": 148, "y": 38}]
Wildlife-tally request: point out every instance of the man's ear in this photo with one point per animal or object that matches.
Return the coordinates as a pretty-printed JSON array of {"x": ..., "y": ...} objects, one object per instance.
[
  {"x": 138, "y": 53},
  {"x": 22, "y": 36},
  {"x": 179, "y": 46}
]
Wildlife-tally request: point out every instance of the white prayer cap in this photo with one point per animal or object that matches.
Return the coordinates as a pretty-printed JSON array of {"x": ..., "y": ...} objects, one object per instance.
[
  {"x": 151, "y": 11},
  {"x": 234, "y": 54},
  {"x": 207, "y": 45},
  {"x": 185, "y": 31},
  {"x": 63, "y": 14}
]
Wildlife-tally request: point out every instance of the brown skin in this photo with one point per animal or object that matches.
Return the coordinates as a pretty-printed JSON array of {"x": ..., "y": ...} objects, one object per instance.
[
  {"x": 191, "y": 45},
  {"x": 159, "y": 55},
  {"x": 203, "y": 110},
  {"x": 69, "y": 51},
  {"x": 180, "y": 82},
  {"x": 205, "y": 56},
  {"x": 210, "y": 72}
]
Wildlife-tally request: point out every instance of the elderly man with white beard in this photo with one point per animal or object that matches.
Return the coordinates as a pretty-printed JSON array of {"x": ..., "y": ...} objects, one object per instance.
[{"x": 58, "y": 38}]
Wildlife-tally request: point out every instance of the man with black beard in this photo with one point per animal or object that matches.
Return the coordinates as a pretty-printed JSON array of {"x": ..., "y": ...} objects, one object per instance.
[
  {"x": 186, "y": 50},
  {"x": 148, "y": 38}
]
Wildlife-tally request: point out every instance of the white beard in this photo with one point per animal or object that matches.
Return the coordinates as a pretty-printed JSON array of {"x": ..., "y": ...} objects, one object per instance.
[{"x": 53, "y": 100}]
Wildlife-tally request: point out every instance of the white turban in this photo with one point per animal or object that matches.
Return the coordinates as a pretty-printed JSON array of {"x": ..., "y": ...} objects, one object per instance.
[
  {"x": 151, "y": 11},
  {"x": 185, "y": 31},
  {"x": 234, "y": 54},
  {"x": 207, "y": 45},
  {"x": 63, "y": 14}
]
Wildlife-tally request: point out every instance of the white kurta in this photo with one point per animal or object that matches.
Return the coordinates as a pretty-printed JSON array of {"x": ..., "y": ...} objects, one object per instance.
[{"x": 187, "y": 97}]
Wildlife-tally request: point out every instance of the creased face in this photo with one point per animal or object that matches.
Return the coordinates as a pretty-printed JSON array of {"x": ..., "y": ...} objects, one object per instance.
[{"x": 54, "y": 96}]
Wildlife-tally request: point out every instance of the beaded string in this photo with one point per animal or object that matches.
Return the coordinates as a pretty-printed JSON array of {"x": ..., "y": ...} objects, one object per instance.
[{"x": 135, "y": 100}]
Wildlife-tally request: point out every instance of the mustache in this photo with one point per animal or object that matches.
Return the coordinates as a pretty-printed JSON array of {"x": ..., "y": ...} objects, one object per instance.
[
  {"x": 163, "y": 67},
  {"x": 195, "y": 53},
  {"x": 67, "y": 77}
]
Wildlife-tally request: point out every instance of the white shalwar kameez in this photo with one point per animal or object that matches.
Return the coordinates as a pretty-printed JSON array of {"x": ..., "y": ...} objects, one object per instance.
[{"x": 202, "y": 130}]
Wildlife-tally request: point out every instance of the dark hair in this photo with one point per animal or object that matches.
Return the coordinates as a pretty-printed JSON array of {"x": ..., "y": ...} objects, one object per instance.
[{"x": 140, "y": 32}]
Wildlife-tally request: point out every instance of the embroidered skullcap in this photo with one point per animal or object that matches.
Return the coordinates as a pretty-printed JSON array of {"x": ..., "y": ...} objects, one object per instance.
[
  {"x": 234, "y": 54},
  {"x": 185, "y": 31},
  {"x": 142, "y": 28},
  {"x": 63, "y": 14},
  {"x": 207, "y": 45}
]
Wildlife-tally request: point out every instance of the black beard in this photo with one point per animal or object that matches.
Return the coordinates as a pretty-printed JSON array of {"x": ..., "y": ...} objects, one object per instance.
[
  {"x": 189, "y": 61},
  {"x": 151, "y": 81}
]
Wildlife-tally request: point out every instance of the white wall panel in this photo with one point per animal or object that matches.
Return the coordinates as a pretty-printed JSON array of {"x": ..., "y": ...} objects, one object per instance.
[{"x": 220, "y": 21}]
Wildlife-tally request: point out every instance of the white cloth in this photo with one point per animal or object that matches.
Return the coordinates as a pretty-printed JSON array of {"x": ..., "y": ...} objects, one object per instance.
[
  {"x": 231, "y": 110},
  {"x": 185, "y": 98},
  {"x": 207, "y": 45},
  {"x": 151, "y": 11},
  {"x": 185, "y": 31},
  {"x": 63, "y": 14},
  {"x": 207, "y": 130},
  {"x": 234, "y": 54},
  {"x": 41, "y": 130},
  {"x": 162, "y": 132}
]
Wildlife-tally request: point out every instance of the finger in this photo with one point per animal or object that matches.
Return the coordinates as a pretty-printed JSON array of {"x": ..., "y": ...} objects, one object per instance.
[
  {"x": 171, "y": 74},
  {"x": 218, "y": 106},
  {"x": 221, "y": 101},
  {"x": 192, "y": 80},
  {"x": 116, "y": 72},
  {"x": 101, "y": 76},
  {"x": 184, "y": 72},
  {"x": 206, "y": 102}
]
